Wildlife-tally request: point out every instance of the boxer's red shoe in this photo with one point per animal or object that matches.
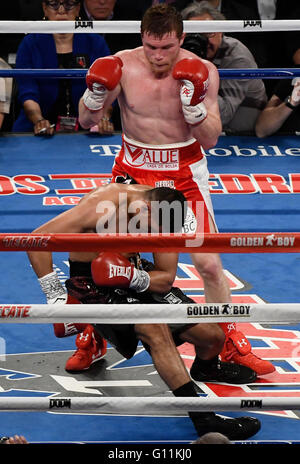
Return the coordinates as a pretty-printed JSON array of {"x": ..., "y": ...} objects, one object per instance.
[
  {"x": 237, "y": 349},
  {"x": 90, "y": 348},
  {"x": 66, "y": 329}
]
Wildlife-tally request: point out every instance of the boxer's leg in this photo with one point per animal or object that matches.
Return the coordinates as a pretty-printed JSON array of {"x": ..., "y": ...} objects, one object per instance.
[
  {"x": 208, "y": 340},
  {"x": 237, "y": 348},
  {"x": 171, "y": 369},
  {"x": 164, "y": 353}
]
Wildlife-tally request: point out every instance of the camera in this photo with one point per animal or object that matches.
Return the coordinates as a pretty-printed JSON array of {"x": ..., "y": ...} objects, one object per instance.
[{"x": 196, "y": 43}]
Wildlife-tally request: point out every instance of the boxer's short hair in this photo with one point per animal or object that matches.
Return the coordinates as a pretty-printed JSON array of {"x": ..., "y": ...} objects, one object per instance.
[
  {"x": 162, "y": 19},
  {"x": 172, "y": 218}
]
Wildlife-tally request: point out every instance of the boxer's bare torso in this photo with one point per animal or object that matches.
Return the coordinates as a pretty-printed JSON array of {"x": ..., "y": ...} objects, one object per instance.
[
  {"x": 149, "y": 96},
  {"x": 108, "y": 203},
  {"x": 147, "y": 116}
]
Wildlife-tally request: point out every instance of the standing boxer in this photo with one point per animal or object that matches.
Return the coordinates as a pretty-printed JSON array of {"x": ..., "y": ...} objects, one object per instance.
[
  {"x": 169, "y": 108},
  {"x": 120, "y": 204}
]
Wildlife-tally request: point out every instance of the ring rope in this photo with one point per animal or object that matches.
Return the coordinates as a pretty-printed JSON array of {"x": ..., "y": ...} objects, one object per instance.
[
  {"x": 145, "y": 405},
  {"x": 150, "y": 313},
  {"x": 260, "y": 242},
  {"x": 242, "y": 73},
  {"x": 127, "y": 27}
]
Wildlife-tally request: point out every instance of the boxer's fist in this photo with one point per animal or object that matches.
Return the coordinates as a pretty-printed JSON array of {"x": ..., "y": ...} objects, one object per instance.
[
  {"x": 194, "y": 78},
  {"x": 53, "y": 289},
  {"x": 104, "y": 74},
  {"x": 193, "y": 75},
  {"x": 106, "y": 71},
  {"x": 114, "y": 270}
]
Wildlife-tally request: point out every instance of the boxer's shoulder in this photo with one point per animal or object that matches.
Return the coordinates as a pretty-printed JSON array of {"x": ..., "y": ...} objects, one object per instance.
[{"x": 130, "y": 56}]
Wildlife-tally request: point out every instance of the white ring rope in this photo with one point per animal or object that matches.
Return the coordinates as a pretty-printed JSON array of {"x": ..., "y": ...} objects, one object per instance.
[
  {"x": 150, "y": 313},
  {"x": 145, "y": 405},
  {"x": 127, "y": 27}
]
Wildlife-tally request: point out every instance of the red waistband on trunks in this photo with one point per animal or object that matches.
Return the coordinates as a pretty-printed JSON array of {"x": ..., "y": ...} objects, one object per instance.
[{"x": 170, "y": 157}]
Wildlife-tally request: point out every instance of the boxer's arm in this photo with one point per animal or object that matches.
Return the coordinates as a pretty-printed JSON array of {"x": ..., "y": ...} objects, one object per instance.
[
  {"x": 87, "y": 118},
  {"x": 75, "y": 220},
  {"x": 201, "y": 109},
  {"x": 71, "y": 221},
  {"x": 162, "y": 278},
  {"x": 115, "y": 270},
  {"x": 208, "y": 132},
  {"x": 103, "y": 87}
]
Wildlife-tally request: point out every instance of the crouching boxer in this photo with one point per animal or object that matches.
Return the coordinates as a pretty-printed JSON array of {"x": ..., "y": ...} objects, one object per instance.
[
  {"x": 86, "y": 217},
  {"x": 145, "y": 285}
]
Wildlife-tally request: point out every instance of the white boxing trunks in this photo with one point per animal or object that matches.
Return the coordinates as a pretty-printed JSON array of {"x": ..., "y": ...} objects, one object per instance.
[{"x": 181, "y": 166}]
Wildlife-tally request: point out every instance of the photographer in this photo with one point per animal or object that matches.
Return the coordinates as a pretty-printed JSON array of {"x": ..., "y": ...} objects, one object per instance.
[{"x": 240, "y": 100}]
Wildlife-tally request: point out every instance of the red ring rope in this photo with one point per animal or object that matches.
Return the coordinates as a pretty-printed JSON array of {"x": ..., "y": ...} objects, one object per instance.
[{"x": 198, "y": 243}]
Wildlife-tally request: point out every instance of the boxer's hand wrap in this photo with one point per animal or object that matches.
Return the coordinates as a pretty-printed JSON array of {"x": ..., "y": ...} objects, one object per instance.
[
  {"x": 194, "y": 78},
  {"x": 104, "y": 74},
  {"x": 140, "y": 281},
  {"x": 114, "y": 270},
  {"x": 94, "y": 100},
  {"x": 194, "y": 114},
  {"x": 53, "y": 289}
]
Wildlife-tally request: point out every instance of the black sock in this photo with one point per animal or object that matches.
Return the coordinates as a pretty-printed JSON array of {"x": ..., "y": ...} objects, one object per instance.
[
  {"x": 205, "y": 364},
  {"x": 188, "y": 389},
  {"x": 197, "y": 417}
]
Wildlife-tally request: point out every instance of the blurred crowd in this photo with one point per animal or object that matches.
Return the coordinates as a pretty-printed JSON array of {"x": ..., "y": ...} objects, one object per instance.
[{"x": 248, "y": 106}]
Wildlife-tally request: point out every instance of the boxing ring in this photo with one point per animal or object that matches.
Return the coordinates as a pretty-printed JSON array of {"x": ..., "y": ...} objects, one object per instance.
[{"x": 254, "y": 185}]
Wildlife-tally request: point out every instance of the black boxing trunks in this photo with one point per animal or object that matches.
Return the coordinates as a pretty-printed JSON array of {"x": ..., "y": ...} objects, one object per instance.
[
  {"x": 82, "y": 287},
  {"x": 122, "y": 336}
]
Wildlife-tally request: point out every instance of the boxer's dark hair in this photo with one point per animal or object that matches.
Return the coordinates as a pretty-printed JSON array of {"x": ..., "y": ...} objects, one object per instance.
[
  {"x": 162, "y": 19},
  {"x": 177, "y": 203}
]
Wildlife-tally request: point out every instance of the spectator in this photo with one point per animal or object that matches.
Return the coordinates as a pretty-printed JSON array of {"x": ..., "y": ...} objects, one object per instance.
[
  {"x": 290, "y": 50},
  {"x": 121, "y": 10},
  {"x": 53, "y": 104},
  {"x": 9, "y": 42},
  {"x": 240, "y": 100},
  {"x": 282, "y": 112},
  {"x": 5, "y": 94},
  {"x": 261, "y": 44}
]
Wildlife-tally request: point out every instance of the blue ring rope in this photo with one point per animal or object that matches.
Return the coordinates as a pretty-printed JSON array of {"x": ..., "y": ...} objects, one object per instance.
[{"x": 245, "y": 73}]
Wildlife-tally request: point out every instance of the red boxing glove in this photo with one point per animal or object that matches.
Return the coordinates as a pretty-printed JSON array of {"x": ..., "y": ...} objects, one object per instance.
[
  {"x": 194, "y": 77},
  {"x": 105, "y": 71},
  {"x": 104, "y": 74},
  {"x": 114, "y": 270}
]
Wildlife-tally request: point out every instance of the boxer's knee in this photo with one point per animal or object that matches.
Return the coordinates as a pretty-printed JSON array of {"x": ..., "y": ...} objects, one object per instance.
[
  {"x": 209, "y": 267},
  {"x": 208, "y": 339},
  {"x": 153, "y": 335}
]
